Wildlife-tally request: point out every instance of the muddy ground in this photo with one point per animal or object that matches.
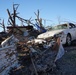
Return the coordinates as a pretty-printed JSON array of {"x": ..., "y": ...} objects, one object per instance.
[{"x": 65, "y": 66}]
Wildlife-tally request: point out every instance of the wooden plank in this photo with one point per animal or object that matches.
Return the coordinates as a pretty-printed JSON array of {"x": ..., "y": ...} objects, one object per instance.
[{"x": 7, "y": 57}]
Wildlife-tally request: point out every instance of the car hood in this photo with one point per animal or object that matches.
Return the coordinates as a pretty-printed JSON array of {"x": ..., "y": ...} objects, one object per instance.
[{"x": 49, "y": 33}]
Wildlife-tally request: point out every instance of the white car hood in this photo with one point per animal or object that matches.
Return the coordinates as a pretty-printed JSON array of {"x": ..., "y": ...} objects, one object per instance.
[{"x": 49, "y": 33}]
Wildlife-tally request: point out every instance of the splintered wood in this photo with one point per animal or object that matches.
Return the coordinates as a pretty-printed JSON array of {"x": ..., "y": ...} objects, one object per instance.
[{"x": 8, "y": 59}]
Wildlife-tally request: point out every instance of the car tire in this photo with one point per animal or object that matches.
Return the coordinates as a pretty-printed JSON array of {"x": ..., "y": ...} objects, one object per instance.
[{"x": 68, "y": 40}]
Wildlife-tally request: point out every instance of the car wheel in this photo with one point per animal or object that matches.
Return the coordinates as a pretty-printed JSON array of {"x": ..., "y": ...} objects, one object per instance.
[{"x": 68, "y": 40}]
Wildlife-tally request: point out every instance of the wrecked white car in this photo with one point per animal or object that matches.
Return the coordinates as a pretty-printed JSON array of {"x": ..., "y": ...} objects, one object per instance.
[{"x": 67, "y": 33}]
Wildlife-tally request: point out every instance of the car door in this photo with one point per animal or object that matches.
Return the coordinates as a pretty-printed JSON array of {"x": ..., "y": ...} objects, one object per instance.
[
  {"x": 72, "y": 30},
  {"x": 74, "y": 27}
]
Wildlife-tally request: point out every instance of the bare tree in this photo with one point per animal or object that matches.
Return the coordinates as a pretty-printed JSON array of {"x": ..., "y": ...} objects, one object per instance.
[
  {"x": 12, "y": 17},
  {"x": 59, "y": 19},
  {"x": 3, "y": 25},
  {"x": 39, "y": 20}
]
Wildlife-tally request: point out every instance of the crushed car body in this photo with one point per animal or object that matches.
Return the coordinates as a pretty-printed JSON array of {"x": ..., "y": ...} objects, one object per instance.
[{"x": 65, "y": 31}]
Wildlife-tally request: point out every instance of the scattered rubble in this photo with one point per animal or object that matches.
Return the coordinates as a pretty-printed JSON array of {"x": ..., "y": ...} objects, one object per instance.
[
  {"x": 8, "y": 59},
  {"x": 43, "y": 64},
  {"x": 35, "y": 56}
]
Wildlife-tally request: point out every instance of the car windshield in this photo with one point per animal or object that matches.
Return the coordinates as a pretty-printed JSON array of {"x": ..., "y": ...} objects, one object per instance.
[{"x": 63, "y": 26}]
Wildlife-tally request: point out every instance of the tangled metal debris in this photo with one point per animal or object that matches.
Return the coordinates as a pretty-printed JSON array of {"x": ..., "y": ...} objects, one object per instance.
[{"x": 37, "y": 57}]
